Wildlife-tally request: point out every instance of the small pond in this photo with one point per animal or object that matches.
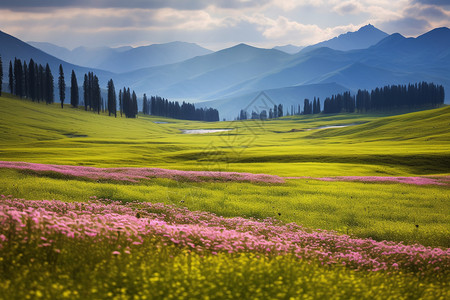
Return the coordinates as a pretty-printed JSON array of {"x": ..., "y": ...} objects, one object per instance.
[{"x": 202, "y": 131}]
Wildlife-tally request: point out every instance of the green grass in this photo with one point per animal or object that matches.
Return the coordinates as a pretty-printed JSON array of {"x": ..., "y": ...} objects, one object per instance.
[
  {"x": 405, "y": 145},
  {"x": 389, "y": 146},
  {"x": 88, "y": 270}
]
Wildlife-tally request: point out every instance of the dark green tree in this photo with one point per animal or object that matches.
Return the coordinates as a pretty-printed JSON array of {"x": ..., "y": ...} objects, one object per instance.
[
  {"x": 49, "y": 91},
  {"x": 280, "y": 110},
  {"x": 11, "y": 78},
  {"x": 1, "y": 75},
  {"x": 74, "y": 97},
  {"x": 32, "y": 80},
  {"x": 112, "y": 102},
  {"x": 86, "y": 91},
  {"x": 120, "y": 102},
  {"x": 62, "y": 86}
]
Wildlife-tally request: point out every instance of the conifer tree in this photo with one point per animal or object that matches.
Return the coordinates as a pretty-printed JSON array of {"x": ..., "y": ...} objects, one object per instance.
[
  {"x": 86, "y": 92},
  {"x": 97, "y": 98},
  {"x": 120, "y": 102},
  {"x": 62, "y": 86},
  {"x": 112, "y": 104},
  {"x": 1, "y": 75},
  {"x": 32, "y": 80},
  {"x": 26, "y": 80},
  {"x": 49, "y": 91},
  {"x": 74, "y": 98},
  {"x": 280, "y": 110},
  {"x": 11, "y": 78}
]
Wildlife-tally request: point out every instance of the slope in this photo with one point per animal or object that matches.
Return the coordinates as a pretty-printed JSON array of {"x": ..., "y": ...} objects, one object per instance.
[
  {"x": 365, "y": 37},
  {"x": 290, "y": 146},
  {"x": 11, "y": 47}
]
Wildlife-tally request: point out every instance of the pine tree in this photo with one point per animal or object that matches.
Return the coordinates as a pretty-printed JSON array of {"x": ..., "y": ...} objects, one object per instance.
[
  {"x": 31, "y": 80},
  {"x": 11, "y": 78},
  {"x": 85, "y": 92},
  {"x": 26, "y": 80},
  {"x": 74, "y": 98},
  {"x": 111, "y": 98},
  {"x": 280, "y": 110},
  {"x": 62, "y": 86},
  {"x": 120, "y": 102},
  {"x": 134, "y": 107},
  {"x": 49, "y": 92},
  {"x": 96, "y": 98},
  {"x": 1, "y": 75}
]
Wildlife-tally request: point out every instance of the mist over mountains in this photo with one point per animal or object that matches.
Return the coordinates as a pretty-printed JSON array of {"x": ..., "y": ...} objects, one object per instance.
[
  {"x": 230, "y": 78},
  {"x": 125, "y": 59}
]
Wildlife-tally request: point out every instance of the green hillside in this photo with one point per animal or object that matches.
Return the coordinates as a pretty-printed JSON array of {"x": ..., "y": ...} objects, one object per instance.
[
  {"x": 410, "y": 144},
  {"x": 38, "y": 261}
]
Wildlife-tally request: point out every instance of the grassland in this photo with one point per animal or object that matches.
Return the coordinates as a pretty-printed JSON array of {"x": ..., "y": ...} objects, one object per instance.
[{"x": 415, "y": 144}]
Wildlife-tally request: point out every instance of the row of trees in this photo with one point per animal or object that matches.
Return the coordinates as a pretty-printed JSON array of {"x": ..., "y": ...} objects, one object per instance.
[
  {"x": 339, "y": 103},
  {"x": 276, "y": 112},
  {"x": 311, "y": 107},
  {"x": 387, "y": 98},
  {"x": 162, "y": 107},
  {"x": 421, "y": 94},
  {"x": 31, "y": 81},
  {"x": 35, "y": 82}
]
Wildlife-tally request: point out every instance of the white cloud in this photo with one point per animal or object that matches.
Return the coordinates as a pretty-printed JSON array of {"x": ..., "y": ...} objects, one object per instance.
[{"x": 348, "y": 7}]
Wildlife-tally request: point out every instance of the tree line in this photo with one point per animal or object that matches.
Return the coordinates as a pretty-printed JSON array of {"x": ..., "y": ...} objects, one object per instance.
[
  {"x": 31, "y": 81},
  {"x": 276, "y": 112},
  {"x": 389, "y": 97},
  {"x": 159, "y": 106},
  {"x": 35, "y": 82}
]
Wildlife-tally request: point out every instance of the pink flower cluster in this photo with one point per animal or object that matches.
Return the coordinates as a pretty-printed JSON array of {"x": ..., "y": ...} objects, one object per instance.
[
  {"x": 435, "y": 180},
  {"x": 134, "y": 174},
  {"x": 205, "y": 232}
]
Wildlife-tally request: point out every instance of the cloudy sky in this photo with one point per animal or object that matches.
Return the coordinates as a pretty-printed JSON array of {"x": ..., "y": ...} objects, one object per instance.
[{"x": 214, "y": 24}]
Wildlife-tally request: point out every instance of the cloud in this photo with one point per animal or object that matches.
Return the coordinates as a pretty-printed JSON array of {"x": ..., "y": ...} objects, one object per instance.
[
  {"x": 410, "y": 26},
  {"x": 348, "y": 7},
  {"x": 32, "y": 5},
  {"x": 433, "y": 2},
  {"x": 428, "y": 12}
]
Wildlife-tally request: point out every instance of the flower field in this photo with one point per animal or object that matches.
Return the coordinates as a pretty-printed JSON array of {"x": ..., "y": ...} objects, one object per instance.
[
  {"x": 106, "y": 208},
  {"x": 55, "y": 229}
]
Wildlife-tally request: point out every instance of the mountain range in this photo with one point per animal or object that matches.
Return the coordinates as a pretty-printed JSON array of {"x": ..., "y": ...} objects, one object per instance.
[
  {"x": 230, "y": 78},
  {"x": 125, "y": 59}
]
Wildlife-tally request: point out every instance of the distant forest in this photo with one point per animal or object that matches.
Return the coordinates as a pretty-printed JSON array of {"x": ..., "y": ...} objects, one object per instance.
[
  {"x": 33, "y": 81},
  {"x": 411, "y": 96},
  {"x": 172, "y": 109}
]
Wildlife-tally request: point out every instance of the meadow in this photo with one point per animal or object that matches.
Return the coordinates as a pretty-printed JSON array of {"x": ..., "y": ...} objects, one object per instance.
[{"x": 299, "y": 160}]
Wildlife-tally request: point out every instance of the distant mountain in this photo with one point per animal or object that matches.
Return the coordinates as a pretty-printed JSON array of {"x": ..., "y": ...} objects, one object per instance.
[
  {"x": 11, "y": 47},
  {"x": 229, "y": 107},
  {"x": 152, "y": 55},
  {"x": 290, "y": 49},
  {"x": 206, "y": 76},
  {"x": 125, "y": 59},
  {"x": 229, "y": 79},
  {"x": 365, "y": 37}
]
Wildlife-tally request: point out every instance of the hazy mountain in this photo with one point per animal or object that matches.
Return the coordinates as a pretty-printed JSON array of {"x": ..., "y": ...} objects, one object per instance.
[
  {"x": 290, "y": 49},
  {"x": 288, "y": 96},
  {"x": 52, "y": 49},
  {"x": 207, "y": 75},
  {"x": 152, "y": 55},
  {"x": 11, "y": 47},
  {"x": 365, "y": 37},
  {"x": 126, "y": 58}
]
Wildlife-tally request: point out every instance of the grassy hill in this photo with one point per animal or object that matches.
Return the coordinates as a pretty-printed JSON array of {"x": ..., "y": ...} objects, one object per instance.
[
  {"x": 411, "y": 144},
  {"x": 85, "y": 249}
]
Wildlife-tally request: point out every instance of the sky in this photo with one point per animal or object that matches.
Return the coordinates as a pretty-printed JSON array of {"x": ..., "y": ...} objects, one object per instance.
[{"x": 214, "y": 24}]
